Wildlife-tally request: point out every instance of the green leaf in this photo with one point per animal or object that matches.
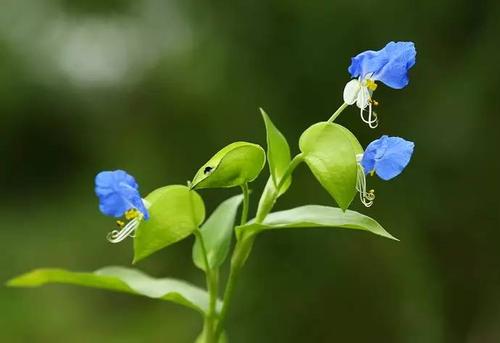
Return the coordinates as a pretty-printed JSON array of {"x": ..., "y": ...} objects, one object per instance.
[
  {"x": 120, "y": 279},
  {"x": 174, "y": 213},
  {"x": 358, "y": 149},
  {"x": 330, "y": 152},
  {"x": 233, "y": 165},
  {"x": 278, "y": 153},
  {"x": 311, "y": 216},
  {"x": 217, "y": 232}
]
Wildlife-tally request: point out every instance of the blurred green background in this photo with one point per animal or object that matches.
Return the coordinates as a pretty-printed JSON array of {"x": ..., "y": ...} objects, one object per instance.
[{"x": 155, "y": 87}]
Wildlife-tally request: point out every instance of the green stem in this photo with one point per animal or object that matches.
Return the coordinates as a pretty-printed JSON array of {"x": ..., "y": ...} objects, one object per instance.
[
  {"x": 246, "y": 203},
  {"x": 211, "y": 280},
  {"x": 241, "y": 252},
  {"x": 244, "y": 245},
  {"x": 267, "y": 201},
  {"x": 337, "y": 112}
]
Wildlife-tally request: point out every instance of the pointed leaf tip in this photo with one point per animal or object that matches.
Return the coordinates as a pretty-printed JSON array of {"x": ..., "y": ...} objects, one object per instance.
[{"x": 315, "y": 216}]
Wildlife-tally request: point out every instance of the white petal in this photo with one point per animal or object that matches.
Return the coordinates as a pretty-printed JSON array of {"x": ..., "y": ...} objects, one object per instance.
[
  {"x": 363, "y": 98},
  {"x": 351, "y": 91}
]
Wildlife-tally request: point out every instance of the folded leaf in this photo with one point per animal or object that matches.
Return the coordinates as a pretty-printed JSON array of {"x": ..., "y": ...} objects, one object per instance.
[
  {"x": 311, "y": 216},
  {"x": 217, "y": 232},
  {"x": 278, "y": 153},
  {"x": 120, "y": 279},
  {"x": 330, "y": 152},
  {"x": 174, "y": 213},
  {"x": 233, "y": 165}
]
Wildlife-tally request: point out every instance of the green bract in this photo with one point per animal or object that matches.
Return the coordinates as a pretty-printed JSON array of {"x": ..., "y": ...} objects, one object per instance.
[
  {"x": 233, "y": 165},
  {"x": 175, "y": 212},
  {"x": 330, "y": 152},
  {"x": 216, "y": 233},
  {"x": 120, "y": 279},
  {"x": 311, "y": 216}
]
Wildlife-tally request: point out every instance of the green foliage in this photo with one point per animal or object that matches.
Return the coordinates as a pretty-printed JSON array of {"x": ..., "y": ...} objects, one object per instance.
[
  {"x": 330, "y": 152},
  {"x": 233, "y": 165},
  {"x": 217, "y": 232},
  {"x": 314, "y": 216},
  {"x": 120, "y": 279},
  {"x": 278, "y": 154},
  {"x": 175, "y": 212}
]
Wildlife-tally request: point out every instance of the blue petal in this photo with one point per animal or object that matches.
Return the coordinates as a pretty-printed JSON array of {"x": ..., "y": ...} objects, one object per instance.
[
  {"x": 118, "y": 192},
  {"x": 367, "y": 62},
  {"x": 389, "y": 65},
  {"x": 368, "y": 161},
  {"x": 387, "y": 156},
  {"x": 402, "y": 57}
]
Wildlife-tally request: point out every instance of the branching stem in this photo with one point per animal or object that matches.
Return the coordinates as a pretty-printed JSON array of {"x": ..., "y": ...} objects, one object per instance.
[{"x": 245, "y": 243}]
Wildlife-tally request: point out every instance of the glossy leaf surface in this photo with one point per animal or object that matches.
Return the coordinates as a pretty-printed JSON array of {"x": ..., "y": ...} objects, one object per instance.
[
  {"x": 278, "y": 153},
  {"x": 217, "y": 232},
  {"x": 314, "y": 216},
  {"x": 233, "y": 165},
  {"x": 330, "y": 152},
  {"x": 175, "y": 212},
  {"x": 120, "y": 279}
]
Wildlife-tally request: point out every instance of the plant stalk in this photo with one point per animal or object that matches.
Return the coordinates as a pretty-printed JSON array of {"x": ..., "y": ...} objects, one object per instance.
[
  {"x": 267, "y": 204},
  {"x": 246, "y": 203},
  {"x": 211, "y": 278},
  {"x": 337, "y": 112},
  {"x": 244, "y": 245}
]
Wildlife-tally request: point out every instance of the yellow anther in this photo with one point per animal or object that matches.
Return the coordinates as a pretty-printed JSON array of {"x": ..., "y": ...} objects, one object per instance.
[
  {"x": 374, "y": 102},
  {"x": 371, "y": 84},
  {"x": 120, "y": 223},
  {"x": 131, "y": 214}
]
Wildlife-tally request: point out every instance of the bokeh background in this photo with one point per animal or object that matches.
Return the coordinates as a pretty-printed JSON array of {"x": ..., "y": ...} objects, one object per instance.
[{"x": 157, "y": 86}]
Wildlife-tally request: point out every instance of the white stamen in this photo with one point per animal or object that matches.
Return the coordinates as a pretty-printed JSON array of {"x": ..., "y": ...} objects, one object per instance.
[
  {"x": 365, "y": 197},
  {"x": 117, "y": 236},
  {"x": 372, "y": 120}
]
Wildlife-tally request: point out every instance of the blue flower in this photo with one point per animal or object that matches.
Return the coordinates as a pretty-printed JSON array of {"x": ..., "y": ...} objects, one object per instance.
[
  {"x": 389, "y": 65},
  {"x": 387, "y": 157},
  {"x": 118, "y": 194}
]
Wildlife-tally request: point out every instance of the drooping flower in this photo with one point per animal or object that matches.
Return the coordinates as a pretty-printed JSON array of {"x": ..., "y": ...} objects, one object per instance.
[
  {"x": 119, "y": 196},
  {"x": 389, "y": 65},
  {"x": 387, "y": 157}
]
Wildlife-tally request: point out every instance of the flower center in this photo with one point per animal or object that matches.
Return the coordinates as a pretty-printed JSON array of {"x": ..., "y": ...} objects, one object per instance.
[
  {"x": 371, "y": 85},
  {"x": 131, "y": 214},
  {"x": 126, "y": 228}
]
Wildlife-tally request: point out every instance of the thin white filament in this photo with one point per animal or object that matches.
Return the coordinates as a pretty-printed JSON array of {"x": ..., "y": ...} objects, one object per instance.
[
  {"x": 365, "y": 197},
  {"x": 372, "y": 120},
  {"x": 117, "y": 236}
]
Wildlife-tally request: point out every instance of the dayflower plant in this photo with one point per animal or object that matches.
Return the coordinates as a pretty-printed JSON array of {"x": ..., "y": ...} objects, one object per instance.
[
  {"x": 174, "y": 212},
  {"x": 389, "y": 65}
]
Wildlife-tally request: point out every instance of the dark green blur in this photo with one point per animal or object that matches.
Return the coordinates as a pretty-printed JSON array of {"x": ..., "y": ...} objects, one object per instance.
[{"x": 155, "y": 87}]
